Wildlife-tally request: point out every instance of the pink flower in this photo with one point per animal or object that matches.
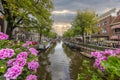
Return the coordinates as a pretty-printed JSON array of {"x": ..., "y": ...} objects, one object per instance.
[
  {"x": 13, "y": 72},
  {"x": 10, "y": 62},
  {"x": 96, "y": 54},
  {"x": 20, "y": 62},
  {"x": 31, "y": 77},
  {"x": 27, "y": 44},
  {"x": 117, "y": 51},
  {"x": 33, "y": 65},
  {"x": 6, "y": 53},
  {"x": 3, "y": 36},
  {"x": 102, "y": 56},
  {"x": 97, "y": 62},
  {"x": 22, "y": 55},
  {"x": 24, "y": 45},
  {"x": 33, "y": 51}
]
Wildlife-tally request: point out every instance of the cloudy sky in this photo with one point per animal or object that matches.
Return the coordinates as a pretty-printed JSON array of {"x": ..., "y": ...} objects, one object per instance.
[{"x": 65, "y": 10}]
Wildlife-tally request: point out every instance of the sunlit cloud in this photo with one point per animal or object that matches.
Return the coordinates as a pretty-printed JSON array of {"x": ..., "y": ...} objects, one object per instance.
[{"x": 64, "y": 12}]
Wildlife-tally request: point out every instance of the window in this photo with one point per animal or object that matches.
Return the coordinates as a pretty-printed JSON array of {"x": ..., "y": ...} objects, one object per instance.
[
  {"x": 98, "y": 25},
  {"x": 104, "y": 23},
  {"x": 103, "y": 30},
  {"x": 117, "y": 30}
]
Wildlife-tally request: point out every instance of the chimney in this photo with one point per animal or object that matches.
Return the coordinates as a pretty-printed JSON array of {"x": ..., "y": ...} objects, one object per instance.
[{"x": 118, "y": 13}]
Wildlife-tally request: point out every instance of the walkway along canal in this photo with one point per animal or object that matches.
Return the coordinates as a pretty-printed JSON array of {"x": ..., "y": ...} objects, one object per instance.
[{"x": 60, "y": 63}]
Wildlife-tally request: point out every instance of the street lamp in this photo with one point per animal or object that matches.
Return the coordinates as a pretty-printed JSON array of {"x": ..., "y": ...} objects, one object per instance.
[{"x": 118, "y": 40}]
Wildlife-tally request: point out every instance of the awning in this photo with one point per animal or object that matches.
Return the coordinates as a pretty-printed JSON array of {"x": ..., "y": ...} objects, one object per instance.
[
  {"x": 115, "y": 37},
  {"x": 115, "y": 26}
]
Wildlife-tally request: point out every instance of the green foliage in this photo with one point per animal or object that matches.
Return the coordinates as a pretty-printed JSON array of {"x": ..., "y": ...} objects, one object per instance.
[
  {"x": 33, "y": 14},
  {"x": 52, "y": 35},
  {"x": 85, "y": 22},
  {"x": 17, "y": 47},
  {"x": 89, "y": 73},
  {"x": 112, "y": 68},
  {"x": 2, "y": 66},
  {"x": 69, "y": 33}
]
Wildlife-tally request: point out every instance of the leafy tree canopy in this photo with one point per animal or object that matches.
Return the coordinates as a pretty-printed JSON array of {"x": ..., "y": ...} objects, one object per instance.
[{"x": 27, "y": 13}]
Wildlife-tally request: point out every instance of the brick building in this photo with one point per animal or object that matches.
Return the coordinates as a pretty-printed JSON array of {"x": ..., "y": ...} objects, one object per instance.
[
  {"x": 104, "y": 22},
  {"x": 115, "y": 28}
]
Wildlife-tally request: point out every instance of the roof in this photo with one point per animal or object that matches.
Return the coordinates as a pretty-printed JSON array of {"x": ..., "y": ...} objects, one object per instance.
[
  {"x": 117, "y": 19},
  {"x": 108, "y": 13}
]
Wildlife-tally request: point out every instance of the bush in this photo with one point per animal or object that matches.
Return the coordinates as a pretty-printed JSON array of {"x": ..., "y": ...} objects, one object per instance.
[
  {"x": 106, "y": 66},
  {"x": 17, "y": 60}
]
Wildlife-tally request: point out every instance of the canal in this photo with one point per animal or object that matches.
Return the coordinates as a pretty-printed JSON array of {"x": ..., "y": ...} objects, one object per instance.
[{"x": 60, "y": 63}]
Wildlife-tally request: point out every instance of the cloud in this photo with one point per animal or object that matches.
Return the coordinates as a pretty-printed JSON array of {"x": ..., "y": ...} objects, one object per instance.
[
  {"x": 69, "y": 7},
  {"x": 63, "y": 12}
]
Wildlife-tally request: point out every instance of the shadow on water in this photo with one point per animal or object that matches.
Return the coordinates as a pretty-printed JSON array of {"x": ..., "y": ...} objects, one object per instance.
[
  {"x": 43, "y": 72},
  {"x": 75, "y": 62},
  {"x": 60, "y": 63}
]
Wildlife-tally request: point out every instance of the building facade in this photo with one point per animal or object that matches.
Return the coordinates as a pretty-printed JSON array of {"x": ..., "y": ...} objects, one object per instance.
[
  {"x": 115, "y": 28},
  {"x": 104, "y": 22}
]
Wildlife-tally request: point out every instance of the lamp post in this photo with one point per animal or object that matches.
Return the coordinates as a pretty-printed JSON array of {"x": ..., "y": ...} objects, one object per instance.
[{"x": 118, "y": 40}]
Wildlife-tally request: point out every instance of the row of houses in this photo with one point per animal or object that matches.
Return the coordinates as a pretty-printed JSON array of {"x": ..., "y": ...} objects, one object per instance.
[{"x": 109, "y": 27}]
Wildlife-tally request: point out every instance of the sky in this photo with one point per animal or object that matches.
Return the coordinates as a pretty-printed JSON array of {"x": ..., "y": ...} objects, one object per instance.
[{"x": 65, "y": 10}]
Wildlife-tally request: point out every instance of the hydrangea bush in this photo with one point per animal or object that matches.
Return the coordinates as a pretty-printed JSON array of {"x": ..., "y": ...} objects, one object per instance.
[
  {"x": 106, "y": 66},
  {"x": 18, "y": 61}
]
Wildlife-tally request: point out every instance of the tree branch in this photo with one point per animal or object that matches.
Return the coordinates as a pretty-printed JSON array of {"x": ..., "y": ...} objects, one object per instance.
[
  {"x": 2, "y": 12},
  {"x": 19, "y": 20},
  {"x": 15, "y": 25}
]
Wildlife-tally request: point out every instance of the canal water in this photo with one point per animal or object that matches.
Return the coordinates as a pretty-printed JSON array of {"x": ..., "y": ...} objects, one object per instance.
[{"x": 60, "y": 63}]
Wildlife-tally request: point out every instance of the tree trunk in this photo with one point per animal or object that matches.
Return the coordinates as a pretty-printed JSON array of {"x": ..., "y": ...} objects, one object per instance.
[
  {"x": 40, "y": 38},
  {"x": 2, "y": 25},
  {"x": 83, "y": 38},
  {"x": 9, "y": 30}
]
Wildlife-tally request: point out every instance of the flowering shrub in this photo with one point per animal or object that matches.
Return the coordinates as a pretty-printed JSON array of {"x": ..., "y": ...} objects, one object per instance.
[
  {"x": 33, "y": 65},
  {"x": 103, "y": 56},
  {"x": 3, "y": 36},
  {"x": 106, "y": 66},
  {"x": 31, "y": 77},
  {"x": 17, "y": 60}
]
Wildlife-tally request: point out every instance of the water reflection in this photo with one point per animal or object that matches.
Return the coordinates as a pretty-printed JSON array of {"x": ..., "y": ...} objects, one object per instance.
[
  {"x": 60, "y": 63},
  {"x": 75, "y": 62}
]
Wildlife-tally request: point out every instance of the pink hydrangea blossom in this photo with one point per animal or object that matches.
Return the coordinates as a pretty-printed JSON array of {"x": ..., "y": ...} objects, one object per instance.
[
  {"x": 96, "y": 54},
  {"x": 3, "y": 36},
  {"x": 33, "y": 65},
  {"x": 31, "y": 77},
  {"x": 13, "y": 72},
  {"x": 22, "y": 55},
  {"x": 6, "y": 53},
  {"x": 102, "y": 56},
  {"x": 10, "y": 62},
  {"x": 27, "y": 44},
  {"x": 108, "y": 52},
  {"x": 33, "y": 51},
  {"x": 20, "y": 62}
]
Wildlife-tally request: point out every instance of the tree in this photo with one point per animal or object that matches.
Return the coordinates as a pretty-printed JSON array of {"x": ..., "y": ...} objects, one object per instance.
[
  {"x": 22, "y": 13},
  {"x": 85, "y": 22},
  {"x": 69, "y": 33},
  {"x": 52, "y": 35}
]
